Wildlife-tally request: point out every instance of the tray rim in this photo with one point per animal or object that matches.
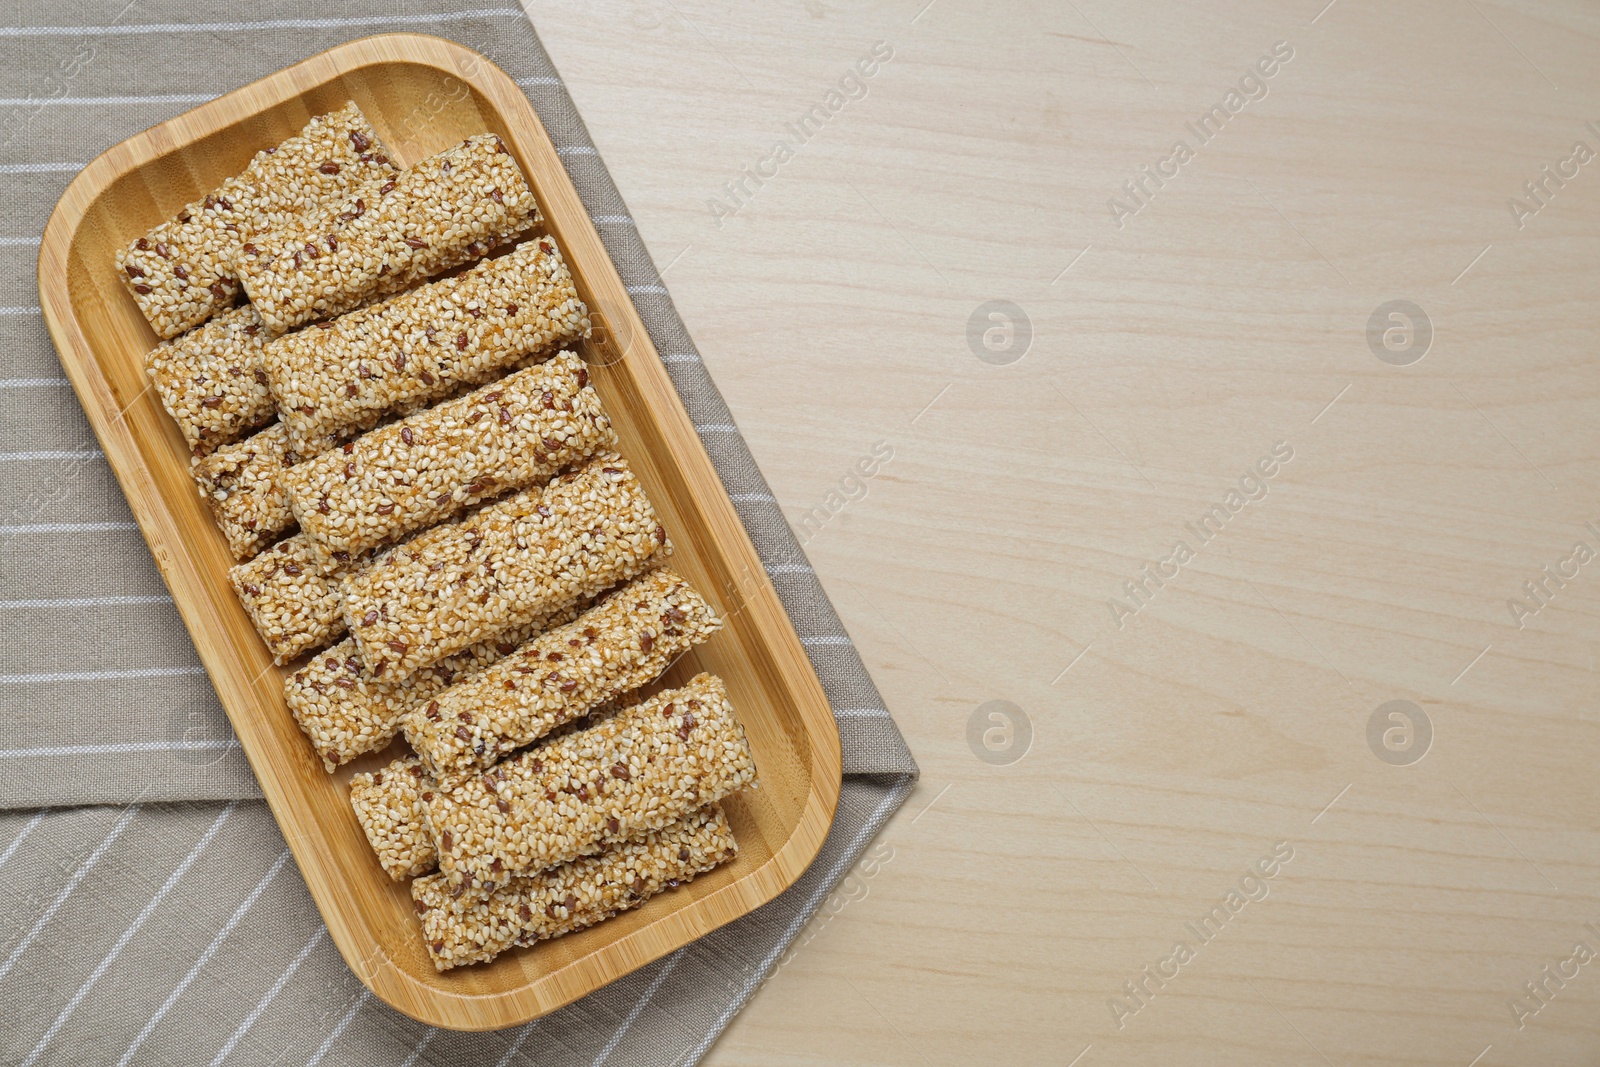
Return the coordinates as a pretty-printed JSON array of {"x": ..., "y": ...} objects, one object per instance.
[{"x": 580, "y": 241}]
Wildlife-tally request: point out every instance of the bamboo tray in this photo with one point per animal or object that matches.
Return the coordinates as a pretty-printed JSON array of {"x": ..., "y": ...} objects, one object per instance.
[{"x": 423, "y": 94}]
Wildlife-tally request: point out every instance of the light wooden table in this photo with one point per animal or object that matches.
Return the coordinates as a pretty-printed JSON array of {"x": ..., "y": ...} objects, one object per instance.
[{"x": 1175, "y": 746}]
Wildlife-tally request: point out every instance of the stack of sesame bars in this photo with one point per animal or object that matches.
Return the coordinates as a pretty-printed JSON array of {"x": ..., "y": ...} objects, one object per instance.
[{"x": 433, "y": 524}]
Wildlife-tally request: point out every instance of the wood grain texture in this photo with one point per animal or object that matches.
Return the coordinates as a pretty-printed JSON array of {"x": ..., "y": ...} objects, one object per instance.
[
  {"x": 424, "y": 94},
  {"x": 832, "y": 308}
]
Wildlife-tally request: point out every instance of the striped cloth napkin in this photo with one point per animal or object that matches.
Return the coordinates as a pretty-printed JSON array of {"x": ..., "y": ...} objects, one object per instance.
[{"x": 149, "y": 911}]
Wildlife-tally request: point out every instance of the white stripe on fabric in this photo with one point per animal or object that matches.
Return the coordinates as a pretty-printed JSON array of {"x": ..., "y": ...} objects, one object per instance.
[
  {"x": 119, "y": 749},
  {"x": 516, "y": 1046},
  {"x": 8, "y": 242},
  {"x": 97, "y": 676},
  {"x": 31, "y": 825},
  {"x": 638, "y": 1008},
  {"x": 716, "y": 427},
  {"x": 128, "y": 934},
  {"x": 861, "y": 713},
  {"x": 271, "y": 995},
  {"x": 72, "y": 883},
  {"x": 22, "y": 457},
  {"x": 262, "y": 24},
  {"x": 577, "y": 150},
  {"x": 789, "y": 568},
  {"x": 102, "y": 101},
  {"x": 681, "y": 357},
  {"x": 826, "y": 639},
  {"x": 651, "y": 290},
  {"x": 67, "y": 527},
  {"x": 205, "y": 957},
  {"x": 543, "y": 79},
  {"x": 31, "y": 383},
  {"x": 32, "y": 309},
  {"x": 427, "y": 1039},
  {"x": 612, "y": 220},
  {"x": 748, "y": 498},
  {"x": 87, "y": 601},
  {"x": 40, "y": 168},
  {"x": 361, "y": 1001}
]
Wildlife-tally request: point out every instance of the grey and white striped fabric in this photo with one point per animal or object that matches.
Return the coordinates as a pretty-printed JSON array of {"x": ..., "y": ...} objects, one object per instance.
[{"x": 149, "y": 912}]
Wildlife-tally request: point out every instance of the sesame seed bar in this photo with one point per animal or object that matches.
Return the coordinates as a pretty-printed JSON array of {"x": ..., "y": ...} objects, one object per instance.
[
  {"x": 293, "y": 602},
  {"x": 181, "y": 272},
  {"x": 247, "y": 483},
  {"x": 396, "y": 819},
  {"x": 382, "y": 236},
  {"x": 211, "y": 380},
  {"x": 343, "y": 376},
  {"x": 575, "y": 795},
  {"x": 477, "y": 927},
  {"x": 243, "y": 485},
  {"x": 403, "y": 827},
  {"x": 345, "y": 711},
  {"x": 503, "y": 565},
  {"x": 519, "y": 431},
  {"x": 388, "y": 804},
  {"x": 624, "y": 642}
]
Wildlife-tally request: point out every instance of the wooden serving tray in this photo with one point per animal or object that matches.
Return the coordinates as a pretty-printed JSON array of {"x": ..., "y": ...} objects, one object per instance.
[{"x": 424, "y": 94}]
